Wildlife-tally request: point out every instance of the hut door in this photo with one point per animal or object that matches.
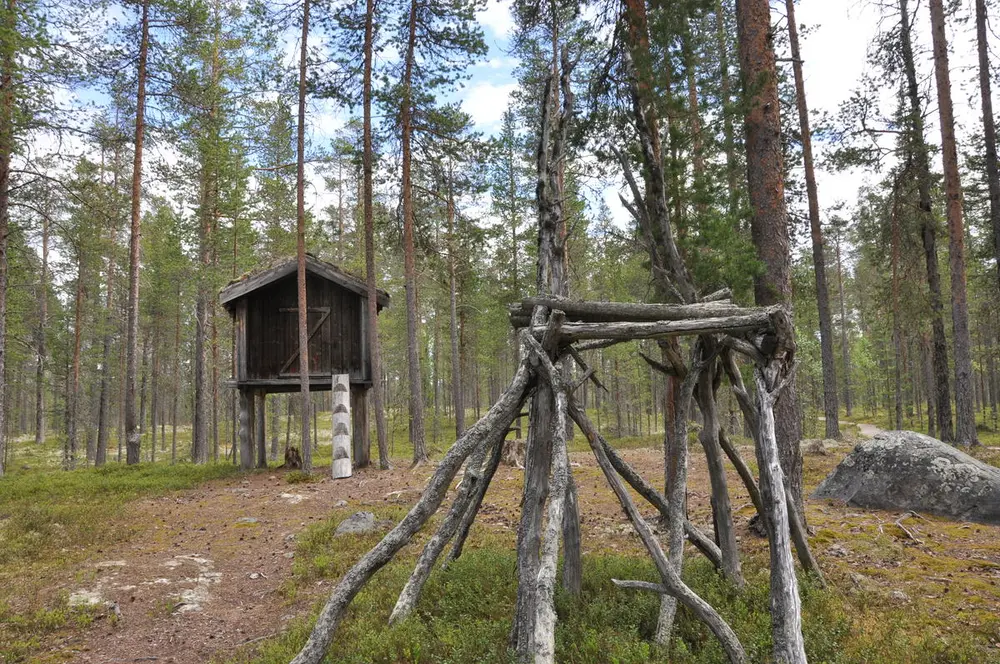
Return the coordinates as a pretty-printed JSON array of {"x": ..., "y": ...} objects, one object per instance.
[{"x": 312, "y": 333}]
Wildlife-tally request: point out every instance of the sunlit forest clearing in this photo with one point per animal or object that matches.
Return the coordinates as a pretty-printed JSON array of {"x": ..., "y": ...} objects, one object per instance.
[
  {"x": 499, "y": 331},
  {"x": 930, "y": 590}
]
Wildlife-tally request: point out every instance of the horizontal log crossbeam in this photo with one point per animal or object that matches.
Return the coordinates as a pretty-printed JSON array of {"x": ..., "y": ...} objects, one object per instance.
[{"x": 620, "y": 321}]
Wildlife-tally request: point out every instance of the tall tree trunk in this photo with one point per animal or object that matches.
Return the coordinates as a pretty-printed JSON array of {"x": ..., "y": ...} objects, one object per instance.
[
  {"x": 132, "y": 334},
  {"x": 177, "y": 381},
  {"x": 213, "y": 303},
  {"x": 728, "y": 132},
  {"x": 69, "y": 463},
  {"x": 928, "y": 228},
  {"x": 409, "y": 252},
  {"x": 965, "y": 406},
  {"x": 199, "y": 432},
  {"x": 6, "y": 148},
  {"x": 154, "y": 394},
  {"x": 928, "y": 369},
  {"x": 845, "y": 349},
  {"x": 375, "y": 353},
  {"x": 143, "y": 382},
  {"x": 896, "y": 322},
  {"x": 436, "y": 375},
  {"x": 989, "y": 126},
  {"x": 456, "y": 361},
  {"x": 769, "y": 222},
  {"x": 43, "y": 308},
  {"x": 104, "y": 413},
  {"x": 831, "y": 408},
  {"x": 300, "y": 223}
]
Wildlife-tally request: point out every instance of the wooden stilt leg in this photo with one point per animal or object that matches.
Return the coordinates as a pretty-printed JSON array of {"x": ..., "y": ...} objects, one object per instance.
[
  {"x": 246, "y": 456},
  {"x": 260, "y": 438},
  {"x": 359, "y": 415}
]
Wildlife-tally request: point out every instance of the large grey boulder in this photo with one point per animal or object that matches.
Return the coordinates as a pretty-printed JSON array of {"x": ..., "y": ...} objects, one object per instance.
[{"x": 904, "y": 470}]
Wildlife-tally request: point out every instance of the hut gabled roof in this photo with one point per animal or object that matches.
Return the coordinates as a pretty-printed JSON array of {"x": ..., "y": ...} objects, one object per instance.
[{"x": 260, "y": 278}]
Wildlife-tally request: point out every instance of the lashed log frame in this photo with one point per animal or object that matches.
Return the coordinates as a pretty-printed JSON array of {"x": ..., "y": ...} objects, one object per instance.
[
  {"x": 785, "y": 603},
  {"x": 499, "y": 417}
]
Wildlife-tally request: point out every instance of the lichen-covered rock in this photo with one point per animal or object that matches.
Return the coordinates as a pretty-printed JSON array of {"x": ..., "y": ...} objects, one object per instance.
[
  {"x": 904, "y": 470},
  {"x": 359, "y": 523}
]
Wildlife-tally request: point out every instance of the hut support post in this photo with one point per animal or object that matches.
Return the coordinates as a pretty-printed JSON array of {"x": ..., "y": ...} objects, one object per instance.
[
  {"x": 260, "y": 435},
  {"x": 362, "y": 438},
  {"x": 341, "y": 426},
  {"x": 246, "y": 455}
]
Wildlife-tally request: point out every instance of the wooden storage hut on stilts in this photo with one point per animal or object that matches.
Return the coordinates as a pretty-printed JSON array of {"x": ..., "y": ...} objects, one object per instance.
[{"x": 264, "y": 307}]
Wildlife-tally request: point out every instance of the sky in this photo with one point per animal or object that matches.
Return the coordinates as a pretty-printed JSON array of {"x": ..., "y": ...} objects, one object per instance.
[
  {"x": 835, "y": 40},
  {"x": 834, "y": 49}
]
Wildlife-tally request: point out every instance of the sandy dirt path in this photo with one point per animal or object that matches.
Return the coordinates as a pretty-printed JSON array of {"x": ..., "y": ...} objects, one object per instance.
[{"x": 204, "y": 576}]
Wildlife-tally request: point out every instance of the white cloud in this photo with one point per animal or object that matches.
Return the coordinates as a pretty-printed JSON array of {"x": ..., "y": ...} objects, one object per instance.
[
  {"x": 497, "y": 18},
  {"x": 486, "y": 103}
]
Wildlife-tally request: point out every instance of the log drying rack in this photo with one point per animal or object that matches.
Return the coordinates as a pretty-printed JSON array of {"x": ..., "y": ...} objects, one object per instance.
[{"x": 551, "y": 329}]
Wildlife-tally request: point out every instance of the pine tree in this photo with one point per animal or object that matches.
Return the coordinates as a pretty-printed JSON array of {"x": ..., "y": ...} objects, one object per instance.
[
  {"x": 132, "y": 326},
  {"x": 832, "y": 409},
  {"x": 965, "y": 407}
]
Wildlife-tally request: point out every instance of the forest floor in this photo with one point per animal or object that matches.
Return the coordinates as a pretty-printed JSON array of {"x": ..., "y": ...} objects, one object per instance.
[{"x": 220, "y": 571}]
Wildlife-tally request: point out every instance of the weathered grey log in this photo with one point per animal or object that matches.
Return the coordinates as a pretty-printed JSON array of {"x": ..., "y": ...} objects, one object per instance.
[
  {"x": 671, "y": 580},
  {"x": 545, "y": 607},
  {"x": 551, "y": 280},
  {"x": 631, "y": 331},
  {"x": 721, "y": 294},
  {"x": 410, "y": 594},
  {"x": 605, "y": 312},
  {"x": 641, "y": 585},
  {"x": 572, "y": 577},
  {"x": 675, "y": 472},
  {"x": 502, "y": 412},
  {"x": 725, "y": 532},
  {"x": 597, "y": 344},
  {"x": 798, "y": 531},
  {"x": 477, "y": 500},
  {"x": 905, "y": 470},
  {"x": 588, "y": 371},
  {"x": 786, "y": 606},
  {"x": 742, "y": 469}
]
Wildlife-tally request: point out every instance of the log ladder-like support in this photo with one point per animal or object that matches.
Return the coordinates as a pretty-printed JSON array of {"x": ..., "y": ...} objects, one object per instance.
[{"x": 763, "y": 335}]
